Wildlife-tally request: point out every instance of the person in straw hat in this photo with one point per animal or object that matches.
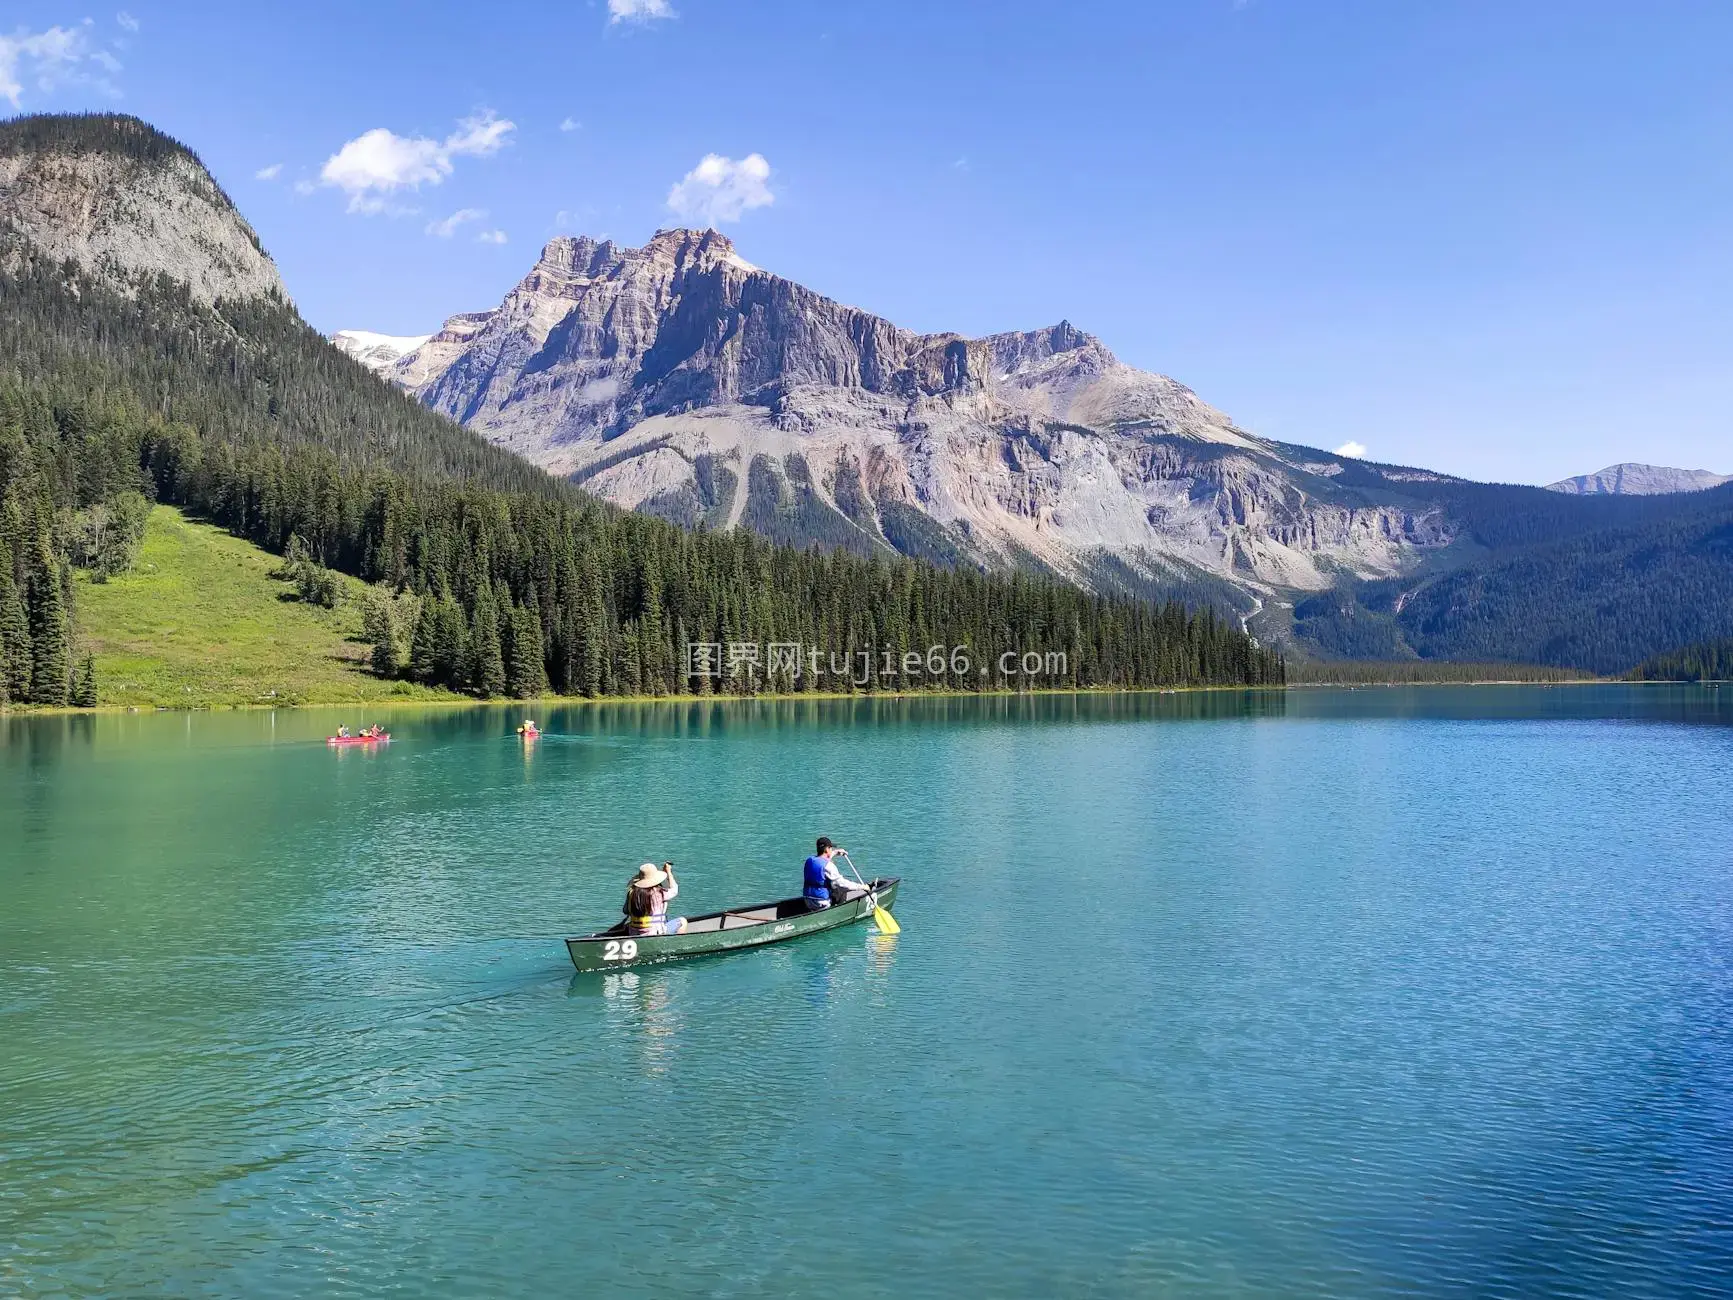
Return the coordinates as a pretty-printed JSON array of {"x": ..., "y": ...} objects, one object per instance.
[{"x": 647, "y": 898}]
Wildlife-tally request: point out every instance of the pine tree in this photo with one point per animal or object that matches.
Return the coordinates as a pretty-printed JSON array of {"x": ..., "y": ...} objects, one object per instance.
[
  {"x": 84, "y": 694},
  {"x": 421, "y": 659},
  {"x": 379, "y": 625},
  {"x": 487, "y": 662},
  {"x": 450, "y": 638},
  {"x": 630, "y": 670},
  {"x": 526, "y": 675},
  {"x": 593, "y": 632},
  {"x": 15, "y": 655},
  {"x": 50, "y": 639}
]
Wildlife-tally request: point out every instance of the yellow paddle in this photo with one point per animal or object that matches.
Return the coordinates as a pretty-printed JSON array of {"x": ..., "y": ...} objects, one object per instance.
[{"x": 886, "y": 923}]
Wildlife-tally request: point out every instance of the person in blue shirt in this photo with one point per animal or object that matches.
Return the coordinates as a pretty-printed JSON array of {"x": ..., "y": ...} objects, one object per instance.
[{"x": 822, "y": 884}]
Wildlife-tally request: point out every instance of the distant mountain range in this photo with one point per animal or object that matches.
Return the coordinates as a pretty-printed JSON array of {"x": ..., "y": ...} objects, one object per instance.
[
  {"x": 1631, "y": 479},
  {"x": 679, "y": 380}
]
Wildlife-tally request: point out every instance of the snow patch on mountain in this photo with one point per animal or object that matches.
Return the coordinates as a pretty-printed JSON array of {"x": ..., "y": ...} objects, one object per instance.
[{"x": 377, "y": 351}]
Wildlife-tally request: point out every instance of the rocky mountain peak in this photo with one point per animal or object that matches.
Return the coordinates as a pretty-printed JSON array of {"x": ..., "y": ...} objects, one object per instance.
[
  {"x": 125, "y": 202},
  {"x": 678, "y": 378},
  {"x": 666, "y": 251},
  {"x": 1631, "y": 478}
]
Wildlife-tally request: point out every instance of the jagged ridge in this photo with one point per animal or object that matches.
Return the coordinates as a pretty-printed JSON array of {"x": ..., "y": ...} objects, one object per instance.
[{"x": 680, "y": 379}]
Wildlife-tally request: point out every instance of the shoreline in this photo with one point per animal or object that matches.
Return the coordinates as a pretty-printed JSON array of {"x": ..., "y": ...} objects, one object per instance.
[{"x": 570, "y": 701}]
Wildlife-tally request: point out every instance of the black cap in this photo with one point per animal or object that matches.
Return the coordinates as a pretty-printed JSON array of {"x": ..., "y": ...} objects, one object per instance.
[{"x": 824, "y": 843}]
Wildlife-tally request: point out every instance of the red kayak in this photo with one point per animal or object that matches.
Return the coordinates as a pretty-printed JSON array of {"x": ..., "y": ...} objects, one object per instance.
[{"x": 357, "y": 740}]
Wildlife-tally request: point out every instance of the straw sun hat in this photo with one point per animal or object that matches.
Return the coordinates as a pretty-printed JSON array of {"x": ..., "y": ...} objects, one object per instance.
[{"x": 649, "y": 876}]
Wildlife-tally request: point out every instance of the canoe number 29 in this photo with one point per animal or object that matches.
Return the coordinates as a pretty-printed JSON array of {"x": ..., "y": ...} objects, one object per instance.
[{"x": 619, "y": 950}]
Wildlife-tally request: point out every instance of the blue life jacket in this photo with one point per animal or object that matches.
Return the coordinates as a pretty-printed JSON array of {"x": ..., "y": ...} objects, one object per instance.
[{"x": 814, "y": 886}]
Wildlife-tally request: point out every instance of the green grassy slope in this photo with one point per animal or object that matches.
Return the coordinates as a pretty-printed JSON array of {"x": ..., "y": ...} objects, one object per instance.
[{"x": 200, "y": 621}]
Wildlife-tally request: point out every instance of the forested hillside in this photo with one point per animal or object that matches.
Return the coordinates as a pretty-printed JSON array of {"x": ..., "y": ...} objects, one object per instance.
[
  {"x": 492, "y": 577},
  {"x": 1597, "y": 583},
  {"x": 1708, "y": 661}
]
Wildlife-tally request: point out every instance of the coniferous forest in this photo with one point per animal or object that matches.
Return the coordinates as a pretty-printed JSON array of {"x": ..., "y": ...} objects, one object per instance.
[
  {"x": 491, "y": 577},
  {"x": 1707, "y": 661}
]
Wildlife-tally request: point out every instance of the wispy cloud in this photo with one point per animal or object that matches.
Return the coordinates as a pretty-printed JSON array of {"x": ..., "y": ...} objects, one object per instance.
[
  {"x": 269, "y": 173},
  {"x": 639, "y": 11},
  {"x": 48, "y": 60},
  {"x": 378, "y": 163},
  {"x": 126, "y": 20},
  {"x": 491, "y": 237},
  {"x": 570, "y": 124},
  {"x": 447, "y": 228},
  {"x": 1355, "y": 449},
  {"x": 722, "y": 189}
]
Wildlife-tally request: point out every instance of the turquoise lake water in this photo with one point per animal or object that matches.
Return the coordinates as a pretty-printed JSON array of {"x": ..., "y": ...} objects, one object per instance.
[{"x": 1332, "y": 993}]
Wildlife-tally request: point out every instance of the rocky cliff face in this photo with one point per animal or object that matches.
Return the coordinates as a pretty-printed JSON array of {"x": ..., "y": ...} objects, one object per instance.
[
  {"x": 680, "y": 379},
  {"x": 1631, "y": 479},
  {"x": 123, "y": 201}
]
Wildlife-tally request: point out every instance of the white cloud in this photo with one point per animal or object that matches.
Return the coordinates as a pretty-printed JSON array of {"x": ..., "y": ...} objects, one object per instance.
[
  {"x": 447, "y": 228},
  {"x": 51, "y": 59},
  {"x": 570, "y": 124},
  {"x": 491, "y": 237},
  {"x": 722, "y": 189},
  {"x": 638, "y": 11},
  {"x": 1355, "y": 449},
  {"x": 126, "y": 20},
  {"x": 600, "y": 390},
  {"x": 305, "y": 186},
  {"x": 480, "y": 135},
  {"x": 378, "y": 163},
  {"x": 269, "y": 173}
]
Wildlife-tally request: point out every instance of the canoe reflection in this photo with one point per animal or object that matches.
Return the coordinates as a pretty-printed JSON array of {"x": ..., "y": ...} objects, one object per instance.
[{"x": 646, "y": 996}]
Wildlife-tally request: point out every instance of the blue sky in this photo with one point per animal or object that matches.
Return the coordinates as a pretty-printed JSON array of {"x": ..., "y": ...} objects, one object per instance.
[{"x": 1492, "y": 239}]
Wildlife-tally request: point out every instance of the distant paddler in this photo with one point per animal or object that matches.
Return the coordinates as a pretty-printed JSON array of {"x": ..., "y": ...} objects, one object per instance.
[{"x": 529, "y": 730}]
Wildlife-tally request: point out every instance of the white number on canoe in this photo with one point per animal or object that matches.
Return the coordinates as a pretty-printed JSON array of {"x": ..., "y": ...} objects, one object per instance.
[{"x": 619, "y": 950}]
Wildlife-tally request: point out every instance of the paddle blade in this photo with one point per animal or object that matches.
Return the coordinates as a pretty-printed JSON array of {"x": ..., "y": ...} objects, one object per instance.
[{"x": 886, "y": 923}]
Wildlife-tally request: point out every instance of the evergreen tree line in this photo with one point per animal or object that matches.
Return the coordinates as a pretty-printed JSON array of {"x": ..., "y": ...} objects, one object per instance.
[
  {"x": 490, "y": 576},
  {"x": 1707, "y": 661}
]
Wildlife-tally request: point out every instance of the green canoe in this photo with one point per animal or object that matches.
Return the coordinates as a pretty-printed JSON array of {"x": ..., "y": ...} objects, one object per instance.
[{"x": 743, "y": 927}]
